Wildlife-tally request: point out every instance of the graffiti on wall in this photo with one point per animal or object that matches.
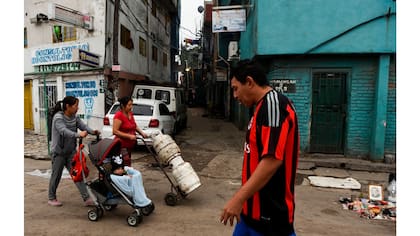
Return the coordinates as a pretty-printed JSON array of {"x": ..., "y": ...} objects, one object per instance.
[{"x": 85, "y": 90}]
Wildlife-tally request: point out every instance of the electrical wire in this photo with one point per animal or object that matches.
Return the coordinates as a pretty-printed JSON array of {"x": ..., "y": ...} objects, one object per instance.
[{"x": 388, "y": 14}]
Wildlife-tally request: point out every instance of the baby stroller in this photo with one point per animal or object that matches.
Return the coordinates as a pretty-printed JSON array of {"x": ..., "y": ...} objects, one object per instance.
[{"x": 107, "y": 195}]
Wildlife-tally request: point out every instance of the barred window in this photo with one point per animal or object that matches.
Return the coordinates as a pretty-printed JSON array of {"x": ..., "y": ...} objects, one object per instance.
[
  {"x": 125, "y": 37},
  {"x": 63, "y": 34},
  {"x": 164, "y": 59},
  {"x": 142, "y": 46},
  {"x": 154, "y": 53}
]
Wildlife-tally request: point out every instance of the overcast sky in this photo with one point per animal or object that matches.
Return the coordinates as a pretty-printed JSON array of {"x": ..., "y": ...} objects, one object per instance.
[{"x": 190, "y": 18}]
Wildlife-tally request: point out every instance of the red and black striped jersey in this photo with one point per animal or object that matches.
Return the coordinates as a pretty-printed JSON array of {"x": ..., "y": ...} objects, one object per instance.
[{"x": 272, "y": 131}]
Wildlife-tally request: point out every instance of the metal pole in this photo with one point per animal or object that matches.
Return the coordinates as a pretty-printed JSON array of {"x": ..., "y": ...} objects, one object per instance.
[
  {"x": 115, "y": 29},
  {"x": 46, "y": 110}
]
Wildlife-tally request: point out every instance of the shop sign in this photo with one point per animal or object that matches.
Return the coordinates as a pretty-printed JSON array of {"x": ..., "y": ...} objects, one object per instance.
[
  {"x": 86, "y": 57},
  {"x": 64, "y": 67},
  {"x": 81, "y": 88},
  {"x": 284, "y": 85},
  {"x": 56, "y": 54}
]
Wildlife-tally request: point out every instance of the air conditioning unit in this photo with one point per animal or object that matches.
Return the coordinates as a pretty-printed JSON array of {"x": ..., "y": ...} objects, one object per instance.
[{"x": 233, "y": 51}]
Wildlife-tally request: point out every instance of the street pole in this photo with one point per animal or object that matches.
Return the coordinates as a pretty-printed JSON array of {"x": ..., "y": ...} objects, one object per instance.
[
  {"x": 115, "y": 29},
  {"x": 215, "y": 57},
  {"x": 46, "y": 111}
]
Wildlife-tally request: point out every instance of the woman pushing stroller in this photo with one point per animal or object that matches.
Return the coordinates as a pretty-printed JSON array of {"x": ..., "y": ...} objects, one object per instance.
[{"x": 63, "y": 145}]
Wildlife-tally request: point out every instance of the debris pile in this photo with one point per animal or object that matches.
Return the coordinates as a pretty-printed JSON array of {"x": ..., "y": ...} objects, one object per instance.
[{"x": 379, "y": 210}]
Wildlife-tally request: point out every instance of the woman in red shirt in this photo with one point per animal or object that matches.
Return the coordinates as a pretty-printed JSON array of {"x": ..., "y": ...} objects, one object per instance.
[{"x": 125, "y": 128}]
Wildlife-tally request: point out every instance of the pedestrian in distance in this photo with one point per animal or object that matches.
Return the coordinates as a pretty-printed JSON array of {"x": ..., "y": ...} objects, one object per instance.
[
  {"x": 124, "y": 127},
  {"x": 64, "y": 134},
  {"x": 265, "y": 202}
]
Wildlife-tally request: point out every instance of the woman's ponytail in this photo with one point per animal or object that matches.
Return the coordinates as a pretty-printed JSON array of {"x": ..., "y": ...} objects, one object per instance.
[{"x": 58, "y": 107}]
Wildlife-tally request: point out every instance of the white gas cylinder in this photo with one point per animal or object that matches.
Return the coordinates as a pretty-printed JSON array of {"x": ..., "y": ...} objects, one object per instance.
[
  {"x": 165, "y": 147},
  {"x": 176, "y": 161},
  {"x": 186, "y": 177}
]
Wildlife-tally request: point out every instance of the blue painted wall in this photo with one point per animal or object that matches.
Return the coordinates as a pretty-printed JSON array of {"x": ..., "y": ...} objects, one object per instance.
[
  {"x": 297, "y": 27},
  {"x": 361, "y": 84},
  {"x": 294, "y": 38},
  {"x": 390, "y": 132}
]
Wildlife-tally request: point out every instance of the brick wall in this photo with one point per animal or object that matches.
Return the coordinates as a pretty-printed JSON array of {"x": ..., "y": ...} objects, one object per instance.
[
  {"x": 360, "y": 107},
  {"x": 390, "y": 133},
  {"x": 360, "y": 93},
  {"x": 301, "y": 99}
]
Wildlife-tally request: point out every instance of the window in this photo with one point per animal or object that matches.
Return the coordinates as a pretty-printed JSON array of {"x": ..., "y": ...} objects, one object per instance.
[
  {"x": 142, "y": 110},
  {"x": 167, "y": 22},
  {"x": 144, "y": 93},
  {"x": 164, "y": 59},
  {"x": 138, "y": 109},
  {"x": 63, "y": 33},
  {"x": 142, "y": 46},
  {"x": 125, "y": 37},
  {"x": 114, "y": 109},
  {"x": 25, "y": 38},
  {"x": 154, "y": 54},
  {"x": 163, "y": 110},
  {"x": 162, "y": 95}
]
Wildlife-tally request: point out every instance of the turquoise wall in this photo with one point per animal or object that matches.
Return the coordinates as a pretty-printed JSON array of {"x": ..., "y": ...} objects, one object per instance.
[
  {"x": 298, "y": 27},
  {"x": 360, "y": 92},
  {"x": 294, "y": 38},
  {"x": 390, "y": 131}
]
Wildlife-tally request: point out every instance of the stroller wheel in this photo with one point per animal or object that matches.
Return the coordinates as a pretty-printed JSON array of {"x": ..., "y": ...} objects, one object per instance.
[
  {"x": 171, "y": 199},
  {"x": 147, "y": 210},
  {"x": 100, "y": 212},
  {"x": 134, "y": 219},
  {"x": 93, "y": 214},
  {"x": 110, "y": 207}
]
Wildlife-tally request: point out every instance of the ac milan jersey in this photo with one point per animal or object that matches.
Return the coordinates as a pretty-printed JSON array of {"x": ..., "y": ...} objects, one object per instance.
[{"x": 272, "y": 131}]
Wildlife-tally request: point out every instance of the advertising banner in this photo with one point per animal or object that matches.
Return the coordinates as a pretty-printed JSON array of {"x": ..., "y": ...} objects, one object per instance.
[{"x": 233, "y": 20}]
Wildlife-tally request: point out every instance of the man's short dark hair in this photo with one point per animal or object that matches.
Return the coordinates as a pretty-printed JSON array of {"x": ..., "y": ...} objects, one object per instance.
[{"x": 250, "y": 68}]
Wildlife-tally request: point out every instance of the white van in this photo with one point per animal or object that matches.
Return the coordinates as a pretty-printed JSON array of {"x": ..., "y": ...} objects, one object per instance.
[{"x": 173, "y": 97}]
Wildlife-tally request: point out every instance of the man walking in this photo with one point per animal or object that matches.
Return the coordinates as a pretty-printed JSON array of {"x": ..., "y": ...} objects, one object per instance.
[{"x": 265, "y": 203}]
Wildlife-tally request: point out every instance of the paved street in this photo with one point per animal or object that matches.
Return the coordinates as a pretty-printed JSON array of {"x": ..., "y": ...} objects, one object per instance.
[{"x": 214, "y": 148}]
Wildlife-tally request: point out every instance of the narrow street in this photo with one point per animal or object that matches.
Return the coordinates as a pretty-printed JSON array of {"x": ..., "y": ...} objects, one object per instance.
[{"x": 214, "y": 149}]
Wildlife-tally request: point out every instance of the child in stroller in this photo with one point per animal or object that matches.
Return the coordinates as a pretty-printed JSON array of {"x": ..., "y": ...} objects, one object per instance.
[
  {"x": 113, "y": 186},
  {"x": 130, "y": 181}
]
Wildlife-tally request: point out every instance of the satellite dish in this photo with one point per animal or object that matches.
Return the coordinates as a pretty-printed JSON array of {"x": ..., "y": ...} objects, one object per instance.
[{"x": 200, "y": 9}]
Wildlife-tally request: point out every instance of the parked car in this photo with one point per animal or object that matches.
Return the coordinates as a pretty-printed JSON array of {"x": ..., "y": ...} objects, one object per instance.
[
  {"x": 151, "y": 116},
  {"x": 173, "y": 97}
]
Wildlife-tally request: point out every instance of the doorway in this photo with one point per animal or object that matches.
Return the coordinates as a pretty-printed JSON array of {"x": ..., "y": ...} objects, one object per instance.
[
  {"x": 28, "y": 117},
  {"x": 47, "y": 91},
  {"x": 329, "y": 110}
]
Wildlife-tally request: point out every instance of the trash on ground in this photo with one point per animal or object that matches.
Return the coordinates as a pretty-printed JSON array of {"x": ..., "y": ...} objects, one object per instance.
[
  {"x": 378, "y": 210},
  {"x": 330, "y": 182},
  {"x": 47, "y": 173}
]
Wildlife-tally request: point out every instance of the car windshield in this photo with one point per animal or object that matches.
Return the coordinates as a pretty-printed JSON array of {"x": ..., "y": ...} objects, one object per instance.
[{"x": 138, "y": 109}]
